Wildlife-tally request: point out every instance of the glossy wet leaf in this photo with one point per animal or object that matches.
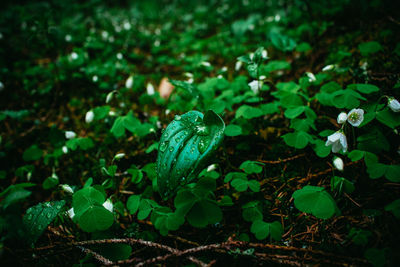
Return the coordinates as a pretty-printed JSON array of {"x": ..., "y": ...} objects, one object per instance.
[
  {"x": 38, "y": 217},
  {"x": 186, "y": 147}
]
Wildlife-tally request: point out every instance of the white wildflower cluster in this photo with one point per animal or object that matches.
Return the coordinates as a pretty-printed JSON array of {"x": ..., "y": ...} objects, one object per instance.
[{"x": 338, "y": 139}]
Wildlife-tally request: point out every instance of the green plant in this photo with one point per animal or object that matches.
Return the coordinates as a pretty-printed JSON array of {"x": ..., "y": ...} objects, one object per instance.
[{"x": 185, "y": 149}]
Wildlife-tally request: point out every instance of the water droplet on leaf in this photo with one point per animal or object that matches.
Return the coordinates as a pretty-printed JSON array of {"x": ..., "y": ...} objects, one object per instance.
[
  {"x": 163, "y": 146},
  {"x": 202, "y": 130},
  {"x": 203, "y": 145}
]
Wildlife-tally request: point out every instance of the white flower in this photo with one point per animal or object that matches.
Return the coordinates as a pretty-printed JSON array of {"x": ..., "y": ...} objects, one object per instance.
[
  {"x": 109, "y": 96},
  {"x": 104, "y": 34},
  {"x": 254, "y": 86},
  {"x": 150, "y": 89},
  {"x": 127, "y": 25},
  {"x": 167, "y": 111},
  {"x": 188, "y": 74},
  {"x": 342, "y": 118},
  {"x": 264, "y": 54},
  {"x": 251, "y": 56},
  {"x": 212, "y": 167},
  {"x": 1, "y": 86},
  {"x": 277, "y": 17},
  {"x": 64, "y": 149},
  {"x": 68, "y": 38},
  {"x": 89, "y": 116},
  {"x": 159, "y": 125},
  {"x": 393, "y": 104},
  {"x": 262, "y": 77},
  {"x": 328, "y": 67},
  {"x": 190, "y": 80},
  {"x": 205, "y": 64},
  {"x": 112, "y": 113},
  {"x": 95, "y": 78},
  {"x": 70, "y": 134},
  {"x": 67, "y": 188},
  {"x": 119, "y": 156},
  {"x": 120, "y": 56},
  {"x": 224, "y": 68},
  {"x": 71, "y": 213},
  {"x": 311, "y": 77},
  {"x": 338, "y": 163},
  {"x": 129, "y": 82},
  {"x": 238, "y": 65},
  {"x": 220, "y": 76},
  {"x": 74, "y": 56},
  {"x": 108, "y": 205},
  {"x": 355, "y": 116},
  {"x": 338, "y": 141}
]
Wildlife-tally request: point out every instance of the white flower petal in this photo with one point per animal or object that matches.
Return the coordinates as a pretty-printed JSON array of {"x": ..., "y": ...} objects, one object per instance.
[
  {"x": 342, "y": 118},
  {"x": 150, "y": 89},
  {"x": 108, "y": 205},
  {"x": 338, "y": 163},
  {"x": 394, "y": 105},
  {"x": 89, "y": 116},
  {"x": 129, "y": 82},
  {"x": 70, "y": 134},
  {"x": 355, "y": 117}
]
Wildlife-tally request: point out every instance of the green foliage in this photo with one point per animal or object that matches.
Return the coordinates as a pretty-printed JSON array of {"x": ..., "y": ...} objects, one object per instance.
[
  {"x": 297, "y": 139},
  {"x": 394, "y": 207},
  {"x": 282, "y": 42},
  {"x": 38, "y": 217},
  {"x": 89, "y": 212},
  {"x": 263, "y": 229},
  {"x": 90, "y": 98},
  {"x": 186, "y": 147},
  {"x": 198, "y": 206},
  {"x": 368, "y": 48},
  {"x": 250, "y": 167},
  {"x": 233, "y": 130},
  {"x": 32, "y": 153},
  {"x": 315, "y": 200},
  {"x": 341, "y": 184}
]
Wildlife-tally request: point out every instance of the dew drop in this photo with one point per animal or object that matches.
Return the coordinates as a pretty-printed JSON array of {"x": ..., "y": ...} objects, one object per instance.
[
  {"x": 203, "y": 145},
  {"x": 29, "y": 217},
  {"x": 183, "y": 180},
  {"x": 202, "y": 130},
  {"x": 48, "y": 215},
  {"x": 177, "y": 139},
  {"x": 171, "y": 149},
  {"x": 163, "y": 146}
]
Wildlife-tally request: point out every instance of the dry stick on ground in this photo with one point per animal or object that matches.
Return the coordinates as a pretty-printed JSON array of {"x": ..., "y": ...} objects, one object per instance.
[
  {"x": 225, "y": 247},
  {"x": 281, "y": 160}
]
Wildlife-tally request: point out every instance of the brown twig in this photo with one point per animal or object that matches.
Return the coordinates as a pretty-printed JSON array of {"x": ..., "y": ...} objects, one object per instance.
[
  {"x": 224, "y": 247},
  {"x": 281, "y": 160},
  {"x": 96, "y": 255}
]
